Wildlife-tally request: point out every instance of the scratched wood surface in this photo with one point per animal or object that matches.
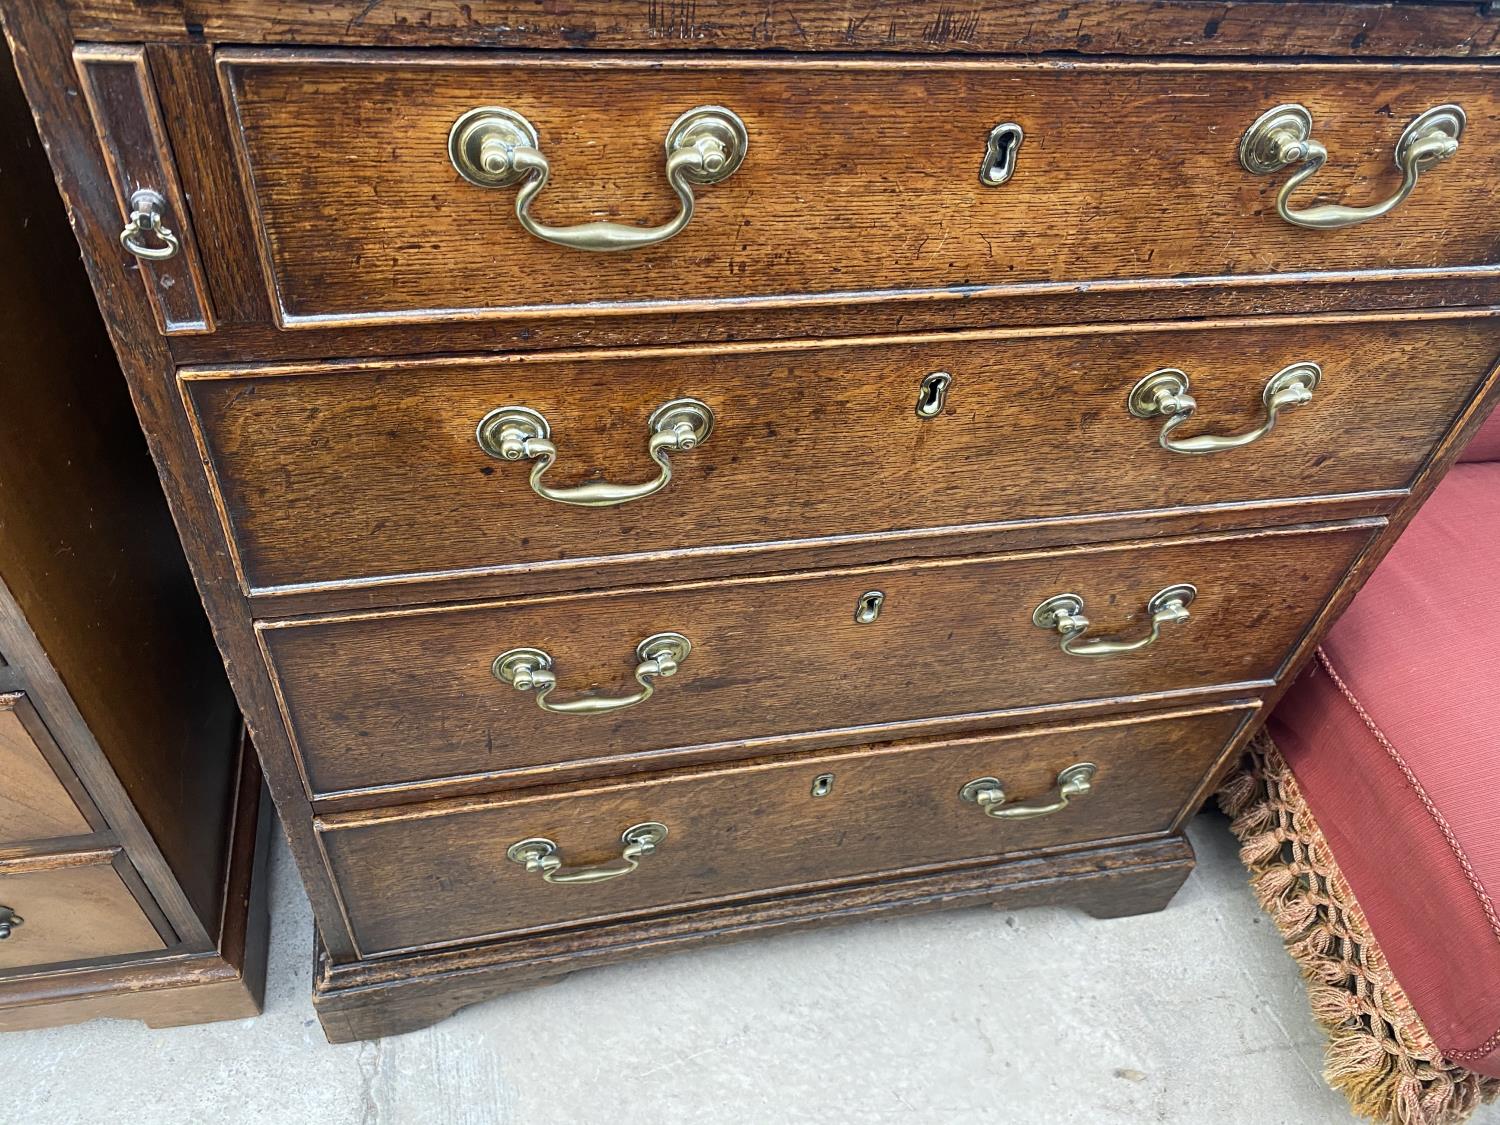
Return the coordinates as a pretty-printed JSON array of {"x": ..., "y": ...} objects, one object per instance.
[
  {"x": 869, "y": 169},
  {"x": 331, "y": 473},
  {"x": 1130, "y": 27},
  {"x": 758, "y": 828}
]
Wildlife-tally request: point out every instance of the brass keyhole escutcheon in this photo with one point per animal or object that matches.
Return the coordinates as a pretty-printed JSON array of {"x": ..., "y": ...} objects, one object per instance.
[
  {"x": 1000, "y": 154},
  {"x": 932, "y": 395},
  {"x": 867, "y": 609},
  {"x": 822, "y": 785}
]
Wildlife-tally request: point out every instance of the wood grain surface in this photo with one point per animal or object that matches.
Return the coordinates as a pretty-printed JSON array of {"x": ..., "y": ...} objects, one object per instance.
[
  {"x": 35, "y": 802},
  {"x": 397, "y": 697},
  {"x": 430, "y": 875},
  {"x": 1129, "y": 27},
  {"x": 335, "y": 473},
  {"x": 868, "y": 169},
  {"x": 75, "y": 908}
]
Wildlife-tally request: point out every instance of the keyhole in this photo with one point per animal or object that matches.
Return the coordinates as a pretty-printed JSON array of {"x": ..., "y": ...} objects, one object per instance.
[
  {"x": 1000, "y": 154},
  {"x": 933, "y": 394},
  {"x": 867, "y": 609},
  {"x": 822, "y": 785}
]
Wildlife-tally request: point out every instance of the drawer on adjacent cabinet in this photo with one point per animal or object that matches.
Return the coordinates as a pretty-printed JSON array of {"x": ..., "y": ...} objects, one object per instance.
[
  {"x": 425, "y": 187},
  {"x": 39, "y": 797},
  {"x": 407, "y": 695},
  {"x": 458, "y": 871},
  {"x": 376, "y": 471},
  {"x": 60, "y": 908}
]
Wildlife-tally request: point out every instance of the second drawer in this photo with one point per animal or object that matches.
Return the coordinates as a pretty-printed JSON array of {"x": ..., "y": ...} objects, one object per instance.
[
  {"x": 375, "y": 472},
  {"x": 394, "y": 697}
]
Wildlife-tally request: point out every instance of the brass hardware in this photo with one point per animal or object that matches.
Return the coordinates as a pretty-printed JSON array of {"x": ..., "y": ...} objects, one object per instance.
[
  {"x": 530, "y": 669},
  {"x": 1064, "y": 614},
  {"x": 9, "y": 920},
  {"x": 539, "y": 854},
  {"x": 514, "y": 433},
  {"x": 146, "y": 208},
  {"x": 867, "y": 609},
  {"x": 1000, "y": 154},
  {"x": 495, "y": 147},
  {"x": 1165, "y": 393},
  {"x": 822, "y": 785},
  {"x": 1283, "y": 136},
  {"x": 932, "y": 396},
  {"x": 989, "y": 794}
]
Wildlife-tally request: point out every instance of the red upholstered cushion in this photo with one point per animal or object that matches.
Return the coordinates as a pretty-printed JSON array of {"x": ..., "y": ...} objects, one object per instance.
[
  {"x": 1395, "y": 742},
  {"x": 1485, "y": 445}
]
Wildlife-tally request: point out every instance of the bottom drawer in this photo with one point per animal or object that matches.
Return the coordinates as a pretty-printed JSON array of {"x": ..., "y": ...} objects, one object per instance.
[
  {"x": 71, "y": 908},
  {"x": 449, "y": 872}
]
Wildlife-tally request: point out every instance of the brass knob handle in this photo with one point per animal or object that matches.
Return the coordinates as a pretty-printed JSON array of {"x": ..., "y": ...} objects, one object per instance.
[
  {"x": 146, "y": 208},
  {"x": 540, "y": 854},
  {"x": 495, "y": 147},
  {"x": 1063, "y": 613},
  {"x": 530, "y": 669},
  {"x": 1283, "y": 136},
  {"x": 514, "y": 433},
  {"x": 1164, "y": 393},
  {"x": 9, "y": 920},
  {"x": 989, "y": 794}
]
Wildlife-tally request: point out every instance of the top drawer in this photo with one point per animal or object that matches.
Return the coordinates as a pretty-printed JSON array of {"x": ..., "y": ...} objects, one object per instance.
[{"x": 863, "y": 179}]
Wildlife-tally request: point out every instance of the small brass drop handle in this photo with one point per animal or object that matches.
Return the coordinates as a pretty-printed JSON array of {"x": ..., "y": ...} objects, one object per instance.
[
  {"x": 9, "y": 920},
  {"x": 540, "y": 854},
  {"x": 515, "y": 433},
  {"x": 146, "y": 208},
  {"x": 1063, "y": 614},
  {"x": 530, "y": 669},
  {"x": 990, "y": 796},
  {"x": 1164, "y": 393},
  {"x": 1283, "y": 136},
  {"x": 492, "y": 146}
]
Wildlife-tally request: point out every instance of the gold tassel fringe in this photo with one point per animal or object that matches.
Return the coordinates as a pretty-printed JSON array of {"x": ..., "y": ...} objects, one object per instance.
[{"x": 1379, "y": 1054}]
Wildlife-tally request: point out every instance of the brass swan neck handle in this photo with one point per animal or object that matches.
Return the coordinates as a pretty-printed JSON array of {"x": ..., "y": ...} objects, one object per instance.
[
  {"x": 493, "y": 146},
  {"x": 1063, "y": 614}
]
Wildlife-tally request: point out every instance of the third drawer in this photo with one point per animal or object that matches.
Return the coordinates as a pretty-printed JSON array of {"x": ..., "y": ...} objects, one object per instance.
[
  {"x": 373, "y": 472},
  {"x": 395, "y": 697}
]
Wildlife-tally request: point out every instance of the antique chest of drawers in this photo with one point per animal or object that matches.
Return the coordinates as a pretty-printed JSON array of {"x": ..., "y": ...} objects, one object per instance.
[{"x": 662, "y": 473}]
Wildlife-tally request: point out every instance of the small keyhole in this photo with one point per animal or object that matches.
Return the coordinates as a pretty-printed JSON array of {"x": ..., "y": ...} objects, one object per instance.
[
  {"x": 933, "y": 394},
  {"x": 867, "y": 609},
  {"x": 822, "y": 785},
  {"x": 1000, "y": 154}
]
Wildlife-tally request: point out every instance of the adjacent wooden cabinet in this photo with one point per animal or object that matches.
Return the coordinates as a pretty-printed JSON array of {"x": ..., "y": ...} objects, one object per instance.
[
  {"x": 662, "y": 473},
  {"x": 129, "y": 801}
]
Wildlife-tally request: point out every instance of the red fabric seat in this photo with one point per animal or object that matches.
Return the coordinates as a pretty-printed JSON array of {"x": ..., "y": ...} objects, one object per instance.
[{"x": 1394, "y": 737}]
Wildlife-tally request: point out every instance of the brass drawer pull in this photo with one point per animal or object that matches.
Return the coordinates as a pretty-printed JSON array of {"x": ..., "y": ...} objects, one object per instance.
[
  {"x": 1164, "y": 393},
  {"x": 989, "y": 794},
  {"x": 495, "y": 147},
  {"x": 146, "y": 209},
  {"x": 515, "y": 433},
  {"x": 1063, "y": 613},
  {"x": 530, "y": 669},
  {"x": 539, "y": 854},
  {"x": 1283, "y": 136},
  {"x": 9, "y": 920}
]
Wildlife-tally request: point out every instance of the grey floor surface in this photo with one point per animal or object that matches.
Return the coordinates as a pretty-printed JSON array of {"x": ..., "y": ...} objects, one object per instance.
[{"x": 1191, "y": 1015}]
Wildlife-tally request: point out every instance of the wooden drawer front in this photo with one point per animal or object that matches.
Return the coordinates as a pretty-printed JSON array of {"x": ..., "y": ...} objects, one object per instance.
[
  {"x": 72, "y": 908},
  {"x": 862, "y": 179},
  {"x": 439, "y": 874},
  {"x": 388, "y": 698},
  {"x": 375, "y": 471},
  {"x": 35, "y": 804}
]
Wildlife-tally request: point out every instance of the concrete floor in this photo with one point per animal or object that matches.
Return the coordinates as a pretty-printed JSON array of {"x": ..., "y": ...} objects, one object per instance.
[{"x": 1192, "y": 1015}]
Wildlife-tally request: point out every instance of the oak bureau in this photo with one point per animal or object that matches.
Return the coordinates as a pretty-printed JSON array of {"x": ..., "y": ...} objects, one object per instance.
[{"x": 669, "y": 472}]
